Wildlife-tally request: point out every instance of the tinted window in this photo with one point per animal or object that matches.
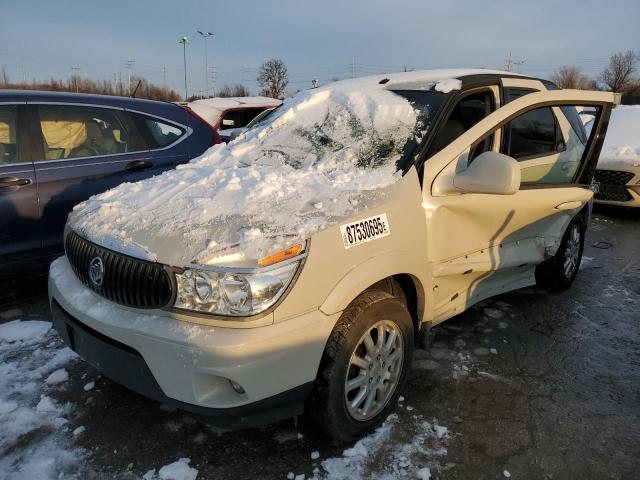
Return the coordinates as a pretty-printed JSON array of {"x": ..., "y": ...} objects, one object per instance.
[
  {"x": 239, "y": 118},
  {"x": 531, "y": 134},
  {"x": 71, "y": 131},
  {"x": 510, "y": 94},
  {"x": 163, "y": 134},
  {"x": 157, "y": 133},
  {"x": 8, "y": 134},
  {"x": 467, "y": 112}
]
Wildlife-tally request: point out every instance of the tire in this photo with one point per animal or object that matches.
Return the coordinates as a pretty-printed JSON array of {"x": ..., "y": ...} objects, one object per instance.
[
  {"x": 384, "y": 374},
  {"x": 559, "y": 272}
]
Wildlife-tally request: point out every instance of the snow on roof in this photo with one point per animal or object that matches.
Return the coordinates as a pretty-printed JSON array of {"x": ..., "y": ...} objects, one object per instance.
[
  {"x": 323, "y": 156},
  {"x": 211, "y": 108},
  {"x": 622, "y": 142}
]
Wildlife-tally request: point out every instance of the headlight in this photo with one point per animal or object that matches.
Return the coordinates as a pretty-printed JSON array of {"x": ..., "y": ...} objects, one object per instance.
[{"x": 222, "y": 291}]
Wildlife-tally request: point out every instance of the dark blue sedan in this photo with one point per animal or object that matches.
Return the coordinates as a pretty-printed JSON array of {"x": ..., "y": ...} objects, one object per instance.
[{"x": 58, "y": 149}]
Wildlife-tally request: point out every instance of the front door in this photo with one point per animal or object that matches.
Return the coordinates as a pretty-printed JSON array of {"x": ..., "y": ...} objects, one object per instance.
[
  {"x": 19, "y": 230},
  {"x": 484, "y": 244}
]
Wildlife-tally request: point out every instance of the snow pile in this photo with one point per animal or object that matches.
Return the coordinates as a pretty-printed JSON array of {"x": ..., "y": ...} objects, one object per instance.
[
  {"x": 18, "y": 331},
  {"x": 179, "y": 470},
  {"x": 32, "y": 358},
  {"x": 393, "y": 451},
  {"x": 324, "y": 155},
  {"x": 622, "y": 143}
]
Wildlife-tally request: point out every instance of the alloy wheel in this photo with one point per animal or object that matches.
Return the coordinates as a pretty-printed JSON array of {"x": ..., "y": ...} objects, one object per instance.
[{"x": 374, "y": 370}]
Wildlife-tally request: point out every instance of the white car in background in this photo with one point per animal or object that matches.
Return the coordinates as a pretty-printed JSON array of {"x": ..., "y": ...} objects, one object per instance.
[
  {"x": 228, "y": 114},
  {"x": 618, "y": 170}
]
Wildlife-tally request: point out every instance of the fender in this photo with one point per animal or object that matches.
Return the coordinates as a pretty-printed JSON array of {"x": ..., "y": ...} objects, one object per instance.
[{"x": 363, "y": 275}]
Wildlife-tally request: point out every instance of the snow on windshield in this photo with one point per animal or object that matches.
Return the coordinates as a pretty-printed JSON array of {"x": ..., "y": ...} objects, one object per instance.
[{"x": 322, "y": 156}]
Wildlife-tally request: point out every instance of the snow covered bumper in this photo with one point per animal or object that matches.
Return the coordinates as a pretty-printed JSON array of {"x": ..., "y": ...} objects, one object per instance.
[{"x": 235, "y": 377}]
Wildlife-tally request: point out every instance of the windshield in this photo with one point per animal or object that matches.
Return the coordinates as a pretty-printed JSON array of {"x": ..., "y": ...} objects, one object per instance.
[{"x": 360, "y": 132}]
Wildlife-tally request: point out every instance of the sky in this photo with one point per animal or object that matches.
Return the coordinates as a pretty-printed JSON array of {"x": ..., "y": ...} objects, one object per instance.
[{"x": 320, "y": 40}]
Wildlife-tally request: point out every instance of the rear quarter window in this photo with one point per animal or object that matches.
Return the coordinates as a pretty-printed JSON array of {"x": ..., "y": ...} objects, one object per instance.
[{"x": 157, "y": 132}]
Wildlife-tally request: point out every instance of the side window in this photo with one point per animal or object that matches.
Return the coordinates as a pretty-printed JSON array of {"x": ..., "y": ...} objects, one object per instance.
[
  {"x": 548, "y": 142},
  {"x": 8, "y": 134},
  {"x": 534, "y": 133},
  {"x": 71, "y": 131},
  {"x": 238, "y": 118},
  {"x": 466, "y": 113},
  {"x": 157, "y": 133}
]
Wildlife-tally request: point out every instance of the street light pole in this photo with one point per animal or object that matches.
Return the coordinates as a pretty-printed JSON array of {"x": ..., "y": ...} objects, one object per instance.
[
  {"x": 206, "y": 36},
  {"x": 185, "y": 41}
]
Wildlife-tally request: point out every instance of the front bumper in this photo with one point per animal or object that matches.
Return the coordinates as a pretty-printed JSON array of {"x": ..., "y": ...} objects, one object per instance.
[
  {"x": 190, "y": 365},
  {"x": 633, "y": 192}
]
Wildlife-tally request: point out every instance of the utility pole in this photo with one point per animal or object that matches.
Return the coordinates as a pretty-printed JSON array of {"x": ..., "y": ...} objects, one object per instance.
[
  {"x": 130, "y": 63},
  {"x": 509, "y": 64},
  {"x": 185, "y": 41},
  {"x": 206, "y": 36},
  {"x": 24, "y": 73},
  {"x": 518, "y": 64},
  {"x": 74, "y": 76},
  {"x": 212, "y": 73},
  {"x": 164, "y": 76},
  {"x": 353, "y": 68}
]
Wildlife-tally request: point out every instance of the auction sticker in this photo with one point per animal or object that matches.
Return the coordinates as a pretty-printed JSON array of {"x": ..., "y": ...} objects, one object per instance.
[{"x": 365, "y": 230}]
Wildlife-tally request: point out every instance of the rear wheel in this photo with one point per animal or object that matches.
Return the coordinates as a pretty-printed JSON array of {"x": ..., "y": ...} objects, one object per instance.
[
  {"x": 364, "y": 366},
  {"x": 559, "y": 272}
]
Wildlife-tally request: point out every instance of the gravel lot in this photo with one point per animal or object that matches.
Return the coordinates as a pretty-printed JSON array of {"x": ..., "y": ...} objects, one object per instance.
[{"x": 527, "y": 385}]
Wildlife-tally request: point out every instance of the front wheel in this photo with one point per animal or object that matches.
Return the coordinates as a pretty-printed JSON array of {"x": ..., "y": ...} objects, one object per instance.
[
  {"x": 558, "y": 273},
  {"x": 364, "y": 366}
]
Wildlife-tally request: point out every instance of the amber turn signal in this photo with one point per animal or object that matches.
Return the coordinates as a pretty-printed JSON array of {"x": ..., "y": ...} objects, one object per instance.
[{"x": 280, "y": 256}]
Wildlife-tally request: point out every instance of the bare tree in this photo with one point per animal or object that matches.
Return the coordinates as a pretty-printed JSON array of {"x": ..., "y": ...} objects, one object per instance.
[
  {"x": 619, "y": 75},
  {"x": 569, "y": 76},
  {"x": 238, "y": 90},
  {"x": 88, "y": 85},
  {"x": 4, "y": 78},
  {"x": 273, "y": 78}
]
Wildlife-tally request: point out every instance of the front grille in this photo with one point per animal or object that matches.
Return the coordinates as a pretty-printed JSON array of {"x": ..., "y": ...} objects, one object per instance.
[
  {"x": 613, "y": 177},
  {"x": 612, "y": 185},
  {"x": 126, "y": 280}
]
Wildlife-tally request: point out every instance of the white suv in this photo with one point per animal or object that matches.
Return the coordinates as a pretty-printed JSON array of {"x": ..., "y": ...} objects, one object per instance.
[{"x": 297, "y": 267}]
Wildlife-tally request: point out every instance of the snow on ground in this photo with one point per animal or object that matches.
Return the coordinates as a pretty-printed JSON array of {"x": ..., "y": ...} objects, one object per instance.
[
  {"x": 179, "y": 470},
  {"x": 32, "y": 358},
  {"x": 622, "y": 142},
  {"x": 324, "y": 155},
  {"x": 396, "y": 450}
]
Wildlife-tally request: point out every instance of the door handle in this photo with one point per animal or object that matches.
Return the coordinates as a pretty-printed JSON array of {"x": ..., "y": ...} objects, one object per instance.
[
  {"x": 8, "y": 182},
  {"x": 138, "y": 165},
  {"x": 569, "y": 205}
]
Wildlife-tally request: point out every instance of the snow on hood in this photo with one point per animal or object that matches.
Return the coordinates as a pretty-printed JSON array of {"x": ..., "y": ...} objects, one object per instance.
[
  {"x": 622, "y": 143},
  {"x": 325, "y": 155}
]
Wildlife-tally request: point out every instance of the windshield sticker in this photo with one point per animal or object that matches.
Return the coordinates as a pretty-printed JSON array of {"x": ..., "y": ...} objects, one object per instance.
[{"x": 365, "y": 230}]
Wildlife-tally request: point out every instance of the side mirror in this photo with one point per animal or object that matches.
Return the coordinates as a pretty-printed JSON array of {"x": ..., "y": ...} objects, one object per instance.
[{"x": 489, "y": 172}]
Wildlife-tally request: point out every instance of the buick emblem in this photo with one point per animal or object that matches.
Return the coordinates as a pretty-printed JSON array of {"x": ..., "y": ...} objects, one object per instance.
[{"x": 96, "y": 272}]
